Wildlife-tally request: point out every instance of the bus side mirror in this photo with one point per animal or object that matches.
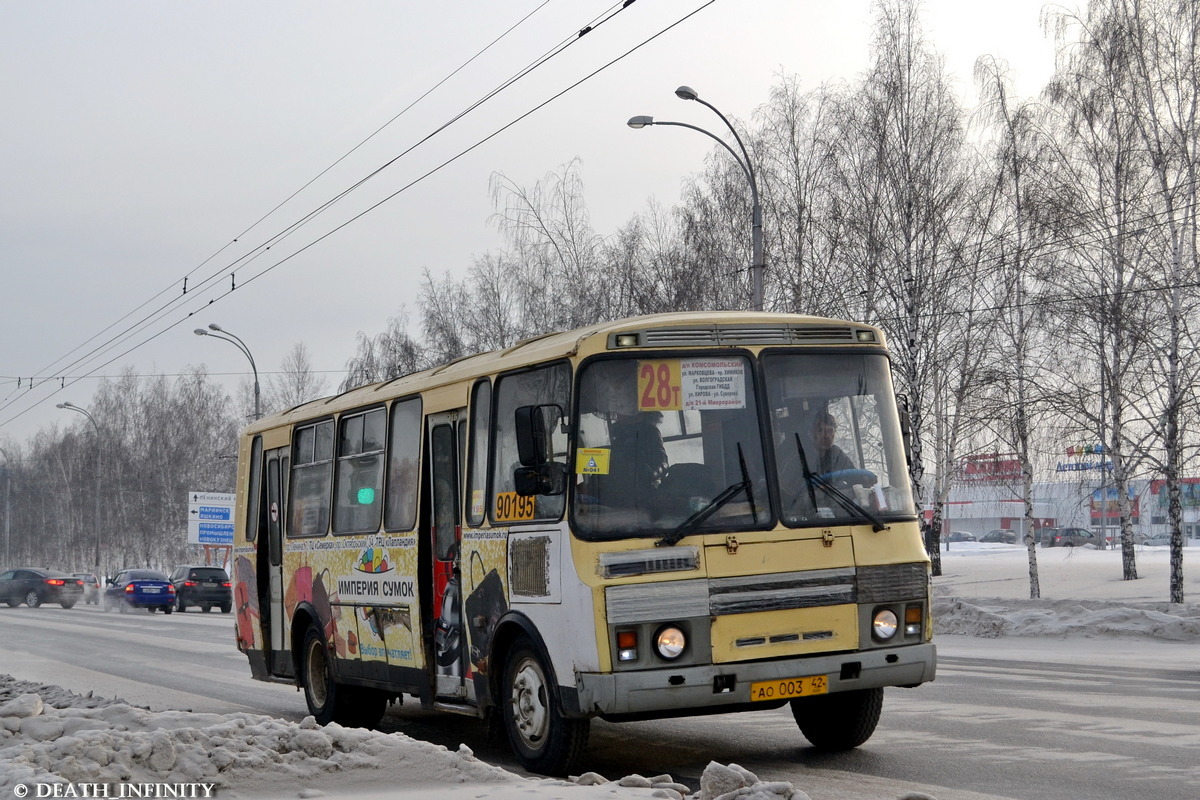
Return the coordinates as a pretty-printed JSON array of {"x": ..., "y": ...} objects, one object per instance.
[
  {"x": 533, "y": 426},
  {"x": 549, "y": 477}
]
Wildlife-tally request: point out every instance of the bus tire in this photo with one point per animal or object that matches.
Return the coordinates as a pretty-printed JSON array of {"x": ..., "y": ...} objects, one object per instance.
[
  {"x": 543, "y": 740},
  {"x": 320, "y": 690},
  {"x": 839, "y": 721}
]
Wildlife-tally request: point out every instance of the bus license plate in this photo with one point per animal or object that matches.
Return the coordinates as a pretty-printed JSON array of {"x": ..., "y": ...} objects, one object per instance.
[{"x": 789, "y": 687}]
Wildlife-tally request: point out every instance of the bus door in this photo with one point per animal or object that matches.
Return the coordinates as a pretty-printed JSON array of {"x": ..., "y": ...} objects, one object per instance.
[
  {"x": 445, "y": 534},
  {"x": 276, "y": 463}
]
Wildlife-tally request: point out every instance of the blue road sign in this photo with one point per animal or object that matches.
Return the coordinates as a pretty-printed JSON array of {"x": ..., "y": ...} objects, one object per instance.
[{"x": 216, "y": 533}]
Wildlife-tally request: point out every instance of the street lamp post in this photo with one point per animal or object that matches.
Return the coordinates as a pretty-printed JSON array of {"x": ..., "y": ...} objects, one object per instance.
[
  {"x": 217, "y": 332},
  {"x": 743, "y": 160},
  {"x": 96, "y": 425}
]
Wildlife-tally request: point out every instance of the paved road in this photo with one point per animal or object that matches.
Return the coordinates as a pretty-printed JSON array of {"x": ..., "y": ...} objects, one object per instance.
[{"x": 1030, "y": 719}]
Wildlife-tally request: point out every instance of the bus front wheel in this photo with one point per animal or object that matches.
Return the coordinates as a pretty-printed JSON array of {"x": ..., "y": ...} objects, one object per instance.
[
  {"x": 839, "y": 721},
  {"x": 542, "y": 738}
]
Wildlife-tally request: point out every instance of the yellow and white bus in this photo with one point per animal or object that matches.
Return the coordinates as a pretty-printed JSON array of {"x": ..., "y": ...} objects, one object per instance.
[{"x": 667, "y": 515}]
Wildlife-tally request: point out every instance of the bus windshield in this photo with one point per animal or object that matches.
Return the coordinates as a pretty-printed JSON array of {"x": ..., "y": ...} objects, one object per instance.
[
  {"x": 665, "y": 442},
  {"x": 837, "y": 440},
  {"x": 668, "y": 447}
]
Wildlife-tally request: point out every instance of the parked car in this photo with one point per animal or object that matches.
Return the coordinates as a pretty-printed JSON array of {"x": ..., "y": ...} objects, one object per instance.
[
  {"x": 203, "y": 586},
  {"x": 961, "y": 536},
  {"x": 139, "y": 588},
  {"x": 1158, "y": 540},
  {"x": 1000, "y": 535},
  {"x": 91, "y": 587},
  {"x": 1071, "y": 537},
  {"x": 36, "y": 586}
]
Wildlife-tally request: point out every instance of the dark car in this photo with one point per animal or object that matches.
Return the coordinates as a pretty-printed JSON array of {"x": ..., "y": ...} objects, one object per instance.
[
  {"x": 1071, "y": 537},
  {"x": 36, "y": 586},
  {"x": 1001, "y": 536},
  {"x": 139, "y": 588},
  {"x": 203, "y": 586},
  {"x": 960, "y": 536},
  {"x": 91, "y": 587}
]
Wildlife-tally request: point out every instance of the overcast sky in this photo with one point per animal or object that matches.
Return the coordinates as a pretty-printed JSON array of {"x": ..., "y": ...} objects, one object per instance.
[{"x": 140, "y": 139}]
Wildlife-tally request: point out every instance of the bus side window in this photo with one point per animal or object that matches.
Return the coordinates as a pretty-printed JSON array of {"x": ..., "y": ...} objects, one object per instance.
[
  {"x": 546, "y": 385},
  {"x": 359, "y": 488},
  {"x": 312, "y": 478},
  {"x": 480, "y": 424},
  {"x": 403, "y": 457},
  {"x": 254, "y": 516}
]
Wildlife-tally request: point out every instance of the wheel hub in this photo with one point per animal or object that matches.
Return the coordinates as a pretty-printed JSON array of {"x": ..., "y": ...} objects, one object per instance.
[{"x": 529, "y": 703}]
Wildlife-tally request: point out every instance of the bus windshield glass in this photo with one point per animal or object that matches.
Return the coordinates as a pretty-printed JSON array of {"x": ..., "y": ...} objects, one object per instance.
[
  {"x": 837, "y": 439},
  {"x": 669, "y": 444}
]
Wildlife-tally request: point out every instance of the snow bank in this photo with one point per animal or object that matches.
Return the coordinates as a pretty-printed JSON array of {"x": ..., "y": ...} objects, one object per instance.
[
  {"x": 994, "y": 617},
  {"x": 984, "y": 591},
  {"x": 49, "y": 735}
]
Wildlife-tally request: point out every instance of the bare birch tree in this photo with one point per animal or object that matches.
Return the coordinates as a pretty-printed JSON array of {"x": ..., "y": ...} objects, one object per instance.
[
  {"x": 902, "y": 199},
  {"x": 295, "y": 383}
]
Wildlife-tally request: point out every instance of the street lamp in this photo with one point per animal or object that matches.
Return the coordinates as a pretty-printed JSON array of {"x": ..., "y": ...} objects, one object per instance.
[
  {"x": 96, "y": 425},
  {"x": 743, "y": 160},
  {"x": 217, "y": 332}
]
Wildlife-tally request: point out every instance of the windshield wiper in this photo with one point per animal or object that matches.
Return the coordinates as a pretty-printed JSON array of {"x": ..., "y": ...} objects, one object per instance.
[
  {"x": 845, "y": 501},
  {"x": 727, "y": 494},
  {"x": 812, "y": 495}
]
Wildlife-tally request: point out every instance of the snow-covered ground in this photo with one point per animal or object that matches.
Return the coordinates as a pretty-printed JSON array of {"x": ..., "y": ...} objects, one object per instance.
[{"x": 50, "y": 735}]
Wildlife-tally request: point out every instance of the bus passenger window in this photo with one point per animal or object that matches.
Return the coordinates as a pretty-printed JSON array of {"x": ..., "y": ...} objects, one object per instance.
[
  {"x": 481, "y": 407},
  {"x": 312, "y": 478},
  {"x": 403, "y": 475},
  {"x": 357, "y": 501}
]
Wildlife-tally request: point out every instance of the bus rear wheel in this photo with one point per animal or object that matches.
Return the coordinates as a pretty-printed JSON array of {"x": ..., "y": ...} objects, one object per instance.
[
  {"x": 543, "y": 739},
  {"x": 320, "y": 691},
  {"x": 329, "y": 701},
  {"x": 839, "y": 721}
]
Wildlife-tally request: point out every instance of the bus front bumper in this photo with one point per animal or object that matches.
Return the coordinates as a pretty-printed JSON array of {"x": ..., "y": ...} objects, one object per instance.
[{"x": 709, "y": 687}]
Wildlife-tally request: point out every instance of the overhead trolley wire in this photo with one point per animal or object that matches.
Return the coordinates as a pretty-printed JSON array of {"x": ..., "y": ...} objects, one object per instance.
[
  {"x": 207, "y": 283},
  {"x": 149, "y": 319},
  {"x": 282, "y": 203}
]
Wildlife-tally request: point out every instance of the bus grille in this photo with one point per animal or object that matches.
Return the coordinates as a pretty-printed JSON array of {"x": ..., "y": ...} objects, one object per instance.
[
  {"x": 809, "y": 589},
  {"x": 892, "y": 582},
  {"x": 530, "y": 573},
  {"x": 753, "y": 593}
]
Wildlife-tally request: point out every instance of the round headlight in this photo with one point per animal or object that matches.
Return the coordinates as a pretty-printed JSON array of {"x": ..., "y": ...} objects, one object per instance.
[
  {"x": 670, "y": 642},
  {"x": 885, "y": 624}
]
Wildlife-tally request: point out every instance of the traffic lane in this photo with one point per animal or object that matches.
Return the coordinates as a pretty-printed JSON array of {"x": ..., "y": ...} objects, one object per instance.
[
  {"x": 988, "y": 726},
  {"x": 186, "y": 662},
  {"x": 1060, "y": 729}
]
